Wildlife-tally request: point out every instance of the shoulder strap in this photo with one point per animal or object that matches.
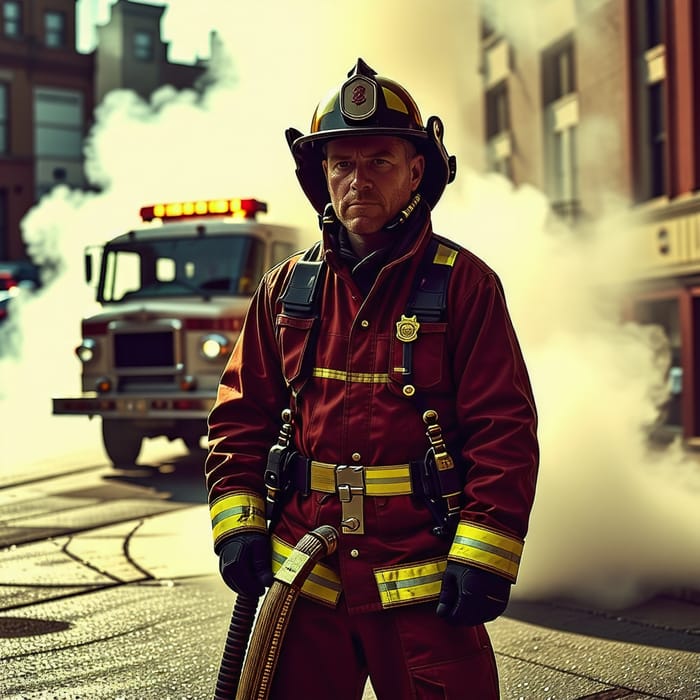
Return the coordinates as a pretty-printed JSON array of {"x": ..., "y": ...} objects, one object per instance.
[
  {"x": 427, "y": 304},
  {"x": 299, "y": 298},
  {"x": 428, "y": 298}
]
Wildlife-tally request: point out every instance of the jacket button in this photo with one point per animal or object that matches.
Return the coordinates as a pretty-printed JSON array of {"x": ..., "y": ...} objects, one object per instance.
[
  {"x": 365, "y": 323},
  {"x": 354, "y": 553},
  {"x": 356, "y": 456}
]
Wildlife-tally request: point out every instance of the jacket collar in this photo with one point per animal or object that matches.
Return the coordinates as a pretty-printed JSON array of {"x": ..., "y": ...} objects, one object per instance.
[{"x": 406, "y": 233}]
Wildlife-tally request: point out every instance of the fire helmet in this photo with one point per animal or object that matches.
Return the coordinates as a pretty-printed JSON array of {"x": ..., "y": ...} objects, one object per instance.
[{"x": 367, "y": 104}]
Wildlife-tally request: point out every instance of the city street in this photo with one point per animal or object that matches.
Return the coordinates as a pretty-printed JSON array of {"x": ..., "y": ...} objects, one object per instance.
[{"x": 109, "y": 590}]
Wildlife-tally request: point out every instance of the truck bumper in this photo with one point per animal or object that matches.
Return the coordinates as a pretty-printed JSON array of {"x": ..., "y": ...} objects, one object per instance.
[{"x": 136, "y": 407}]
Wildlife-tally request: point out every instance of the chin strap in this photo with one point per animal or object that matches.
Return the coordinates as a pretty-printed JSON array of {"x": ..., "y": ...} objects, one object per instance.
[
  {"x": 329, "y": 218},
  {"x": 403, "y": 215}
]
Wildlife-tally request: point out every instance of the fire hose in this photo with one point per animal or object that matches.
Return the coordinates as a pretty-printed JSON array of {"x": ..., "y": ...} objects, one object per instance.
[{"x": 248, "y": 676}]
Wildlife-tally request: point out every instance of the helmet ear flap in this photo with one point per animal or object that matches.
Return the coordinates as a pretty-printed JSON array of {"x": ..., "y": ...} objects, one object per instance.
[
  {"x": 435, "y": 131},
  {"x": 292, "y": 135},
  {"x": 308, "y": 171}
]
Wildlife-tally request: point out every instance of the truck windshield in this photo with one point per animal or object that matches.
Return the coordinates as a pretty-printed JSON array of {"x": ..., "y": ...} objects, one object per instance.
[{"x": 166, "y": 267}]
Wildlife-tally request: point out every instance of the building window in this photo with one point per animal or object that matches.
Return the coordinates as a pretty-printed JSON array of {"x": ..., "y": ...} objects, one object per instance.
[
  {"x": 655, "y": 25},
  {"x": 558, "y": 72},
  {"x": 4, "y": 222},
  {"x": 561, "y": 124},
  {"x": 498, "y": 130},
  {"x": 649, "y": 107},
  {"x": 656, "y": 144},
  {"x": 58, "y": 123},
  {"x": 12, "y": 18},
  {"x": 497, "y": 113},
  {"x": 4, "y": 119},
  {"x": 143, "y": 45},
  {"x": 665, "y": 315},
  {"x": 565, "y": 175},
  {"x": 55, "y": 29}
]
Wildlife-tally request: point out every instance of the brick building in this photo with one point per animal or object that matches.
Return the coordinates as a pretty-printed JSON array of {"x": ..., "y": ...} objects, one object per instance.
[
  {"x": 606, "y": 103},
  {"x": 46, "y": 103},
  {"x": 48, "y": 91}
]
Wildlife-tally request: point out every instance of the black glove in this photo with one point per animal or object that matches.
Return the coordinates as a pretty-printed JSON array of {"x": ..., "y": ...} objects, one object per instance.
[
  {"x": 471, "y": 596},
  {"x": 245, "y": 563}
]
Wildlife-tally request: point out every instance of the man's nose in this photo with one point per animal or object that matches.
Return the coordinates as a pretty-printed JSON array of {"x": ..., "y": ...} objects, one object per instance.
[{"x": 360, "y": 178}]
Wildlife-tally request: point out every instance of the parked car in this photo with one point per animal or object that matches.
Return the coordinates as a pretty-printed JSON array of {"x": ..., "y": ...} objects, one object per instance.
[{"x": 16, "y": 276}]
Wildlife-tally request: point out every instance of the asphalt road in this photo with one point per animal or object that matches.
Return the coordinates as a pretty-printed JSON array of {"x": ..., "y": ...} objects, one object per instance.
[{"x": 109, "y": 591}]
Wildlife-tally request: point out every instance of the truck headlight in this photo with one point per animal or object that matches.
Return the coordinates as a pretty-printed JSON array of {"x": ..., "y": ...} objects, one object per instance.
[
  {"x": 87, "y": 350},
  {"x": 214, "y": 346}
]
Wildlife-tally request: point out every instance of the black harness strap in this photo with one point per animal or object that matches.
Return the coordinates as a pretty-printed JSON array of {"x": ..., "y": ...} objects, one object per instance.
[
  {"x": 427, "y": 303},
  {"x": 300, "y": 298},
  {"x": 428, "y": 299},
  {"x": 438, "y": 475}
]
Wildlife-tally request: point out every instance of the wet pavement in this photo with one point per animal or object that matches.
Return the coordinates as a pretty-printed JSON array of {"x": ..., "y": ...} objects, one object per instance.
[
  {"x": 109, "y": 590},
  {"x": 136, "y": 610}
]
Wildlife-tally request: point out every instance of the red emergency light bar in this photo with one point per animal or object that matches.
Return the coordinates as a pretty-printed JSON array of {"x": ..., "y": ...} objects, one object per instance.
[{"x": 236, "y": 208}]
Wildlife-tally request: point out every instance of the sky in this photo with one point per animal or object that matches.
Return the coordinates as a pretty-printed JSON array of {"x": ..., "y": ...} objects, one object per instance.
[{"x": 612, "y": 522}]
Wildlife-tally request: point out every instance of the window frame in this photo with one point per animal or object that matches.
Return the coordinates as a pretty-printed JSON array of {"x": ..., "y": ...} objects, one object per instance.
[
  {"x": 4, "y": 118},
  {"x": 143, "y": 52},
  {"x": 60, "y": 32}
]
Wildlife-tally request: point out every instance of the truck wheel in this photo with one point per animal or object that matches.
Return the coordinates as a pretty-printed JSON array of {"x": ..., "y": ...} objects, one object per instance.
[{"x": 121, "y": 442}]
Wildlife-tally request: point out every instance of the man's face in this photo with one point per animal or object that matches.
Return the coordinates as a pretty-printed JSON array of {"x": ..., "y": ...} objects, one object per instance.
[{"x": 370, "y": 179}]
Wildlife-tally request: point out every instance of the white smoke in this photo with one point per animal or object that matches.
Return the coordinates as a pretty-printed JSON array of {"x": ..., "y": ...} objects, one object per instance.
[
  {"x": 615, "y": 520},
  {"x": 612, "y": 522}
]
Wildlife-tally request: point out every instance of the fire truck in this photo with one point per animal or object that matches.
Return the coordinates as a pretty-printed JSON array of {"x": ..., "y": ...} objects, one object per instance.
[{"x": 173, "y": 294}]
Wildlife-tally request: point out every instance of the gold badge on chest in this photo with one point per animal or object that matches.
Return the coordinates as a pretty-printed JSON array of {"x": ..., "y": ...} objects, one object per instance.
[{"x": 407, "y": 328}]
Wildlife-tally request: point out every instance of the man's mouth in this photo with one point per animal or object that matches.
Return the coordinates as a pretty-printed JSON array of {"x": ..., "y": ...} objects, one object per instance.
[{"x": 362, "y": 203}]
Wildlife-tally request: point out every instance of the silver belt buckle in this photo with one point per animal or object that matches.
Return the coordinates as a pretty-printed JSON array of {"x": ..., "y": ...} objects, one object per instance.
[{"x": 350, "y": 481}]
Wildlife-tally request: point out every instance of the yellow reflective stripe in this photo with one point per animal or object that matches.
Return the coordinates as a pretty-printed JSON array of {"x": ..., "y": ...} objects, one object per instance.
[
  {"x": 322, "y": 477},
  {"x": 445, "y": 255},
  {"x": 390, "y": 480},
  {"x": 487, "y": 548},
  {"x": 405, "y": 585},
  {"x": 235, "y": 512},
  {"x": 393, "y": 101},
  {"x": 385, "y": 480},
  {"x": 358, "y": 377},
  {"x": 322, "y": 584}
]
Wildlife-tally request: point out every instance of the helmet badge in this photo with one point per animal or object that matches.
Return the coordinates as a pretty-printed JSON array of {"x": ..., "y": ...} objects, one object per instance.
[
  {"x": 359, "y": 95},
  {"x": 358, "y": 98}
]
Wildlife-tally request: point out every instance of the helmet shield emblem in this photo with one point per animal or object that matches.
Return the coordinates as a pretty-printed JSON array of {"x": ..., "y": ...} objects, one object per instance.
[{"x": 358, "y": 98}]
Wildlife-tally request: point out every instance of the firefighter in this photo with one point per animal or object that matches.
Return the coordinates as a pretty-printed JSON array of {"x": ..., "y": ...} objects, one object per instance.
[{"x": 409, "y": 421}]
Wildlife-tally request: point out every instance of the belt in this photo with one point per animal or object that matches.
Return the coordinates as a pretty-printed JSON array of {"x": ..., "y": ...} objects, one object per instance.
[
  {"x": 387, "y": 480},
  {"x": 351, "y": 483}
]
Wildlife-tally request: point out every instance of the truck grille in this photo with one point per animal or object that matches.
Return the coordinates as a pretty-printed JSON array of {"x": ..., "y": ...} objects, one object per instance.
[{"x": 153, "y": 349}]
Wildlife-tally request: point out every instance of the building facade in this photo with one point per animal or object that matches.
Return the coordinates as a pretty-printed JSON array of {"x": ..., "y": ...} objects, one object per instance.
[
  {"x": 606, "y": 104},
  {"x": 48, "y": 92},
  {"x": 46, "y": 103}
]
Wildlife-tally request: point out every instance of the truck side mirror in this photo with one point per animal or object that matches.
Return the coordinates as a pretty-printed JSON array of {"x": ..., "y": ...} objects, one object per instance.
[{"x": 88, "y": 267}]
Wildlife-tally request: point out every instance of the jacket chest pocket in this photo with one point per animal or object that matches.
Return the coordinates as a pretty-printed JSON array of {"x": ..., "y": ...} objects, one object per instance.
[
  {"x": 294, "y": 337},
  {"x": 421, "y": 362}
]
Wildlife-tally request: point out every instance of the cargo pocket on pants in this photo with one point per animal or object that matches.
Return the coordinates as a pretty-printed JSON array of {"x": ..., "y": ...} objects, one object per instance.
[{"x": 473, "y": 677}]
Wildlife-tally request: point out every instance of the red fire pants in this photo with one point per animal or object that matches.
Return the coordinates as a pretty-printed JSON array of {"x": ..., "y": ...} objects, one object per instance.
[{"x": 407, "y": 652}]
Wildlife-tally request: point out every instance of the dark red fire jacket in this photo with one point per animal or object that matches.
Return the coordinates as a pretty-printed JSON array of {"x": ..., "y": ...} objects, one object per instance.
[{"x": 353, "y": 409}]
